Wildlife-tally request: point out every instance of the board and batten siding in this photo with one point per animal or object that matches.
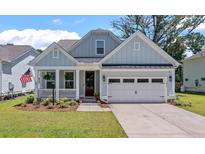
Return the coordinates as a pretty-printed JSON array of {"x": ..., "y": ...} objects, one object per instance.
[
  {"x": 62, "y": 60},
  {"x": 87, "y": 47},
  {"x": 128, "y": 55},
  {"x": 194, "y": 70},
  {"x": 138, "y": 74}
]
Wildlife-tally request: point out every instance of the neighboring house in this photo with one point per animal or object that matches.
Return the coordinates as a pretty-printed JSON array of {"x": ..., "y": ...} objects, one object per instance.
[
  {"x": 133, "y": 70},
  {"x": 14, "y": 61},
  {"x": 194, "y": 73}
]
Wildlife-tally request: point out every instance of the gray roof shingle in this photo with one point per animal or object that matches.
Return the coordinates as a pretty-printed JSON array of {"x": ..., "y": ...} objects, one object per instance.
[
  {"x": 10, "y": 52},
  {"x": 67, "y": 44}
]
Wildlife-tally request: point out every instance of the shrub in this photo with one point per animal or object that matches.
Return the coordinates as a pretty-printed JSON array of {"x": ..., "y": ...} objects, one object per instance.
[
  {"x": 72, "y": 102},
  {"x": 50, "y": 106},
  {"x": 47, "y": 101},
  {"x": 29, "y": 100},
  {"x": 23, "y": 105},
  {"x": 62, "y": 102}
]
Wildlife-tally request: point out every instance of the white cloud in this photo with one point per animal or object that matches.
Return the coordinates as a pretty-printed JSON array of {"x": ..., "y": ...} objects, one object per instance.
[
  {"x": 201, "y": 26},
  {"x": 39, "y": 39},
  {"x": 80, "y": 21},
  {"x": 57, "y": 21}
]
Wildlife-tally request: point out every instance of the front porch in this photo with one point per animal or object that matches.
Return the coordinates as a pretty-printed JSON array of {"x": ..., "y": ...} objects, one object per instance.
[{"x": 69, "y": 83}]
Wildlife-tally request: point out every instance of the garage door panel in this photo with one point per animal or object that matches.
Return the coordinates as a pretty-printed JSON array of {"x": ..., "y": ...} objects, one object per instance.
[{"x": 136, "y": 92}]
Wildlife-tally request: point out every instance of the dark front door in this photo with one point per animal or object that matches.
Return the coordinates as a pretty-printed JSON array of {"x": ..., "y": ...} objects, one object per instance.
[{"x": 89, "y": 83}]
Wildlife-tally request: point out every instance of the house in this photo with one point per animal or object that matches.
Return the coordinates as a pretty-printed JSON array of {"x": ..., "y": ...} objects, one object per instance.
[
  {"x": 133, "y": 70},
  {"x": 194, "y": 73},
  {"x": 14, "y": 61}
]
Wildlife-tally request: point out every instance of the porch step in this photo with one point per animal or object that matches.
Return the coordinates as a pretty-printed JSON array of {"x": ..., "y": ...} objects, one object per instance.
[{"x": 88, "y": 100}]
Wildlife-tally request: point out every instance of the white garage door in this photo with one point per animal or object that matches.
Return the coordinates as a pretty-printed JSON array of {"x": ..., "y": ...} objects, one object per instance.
[{"x": 136, "y": 90}]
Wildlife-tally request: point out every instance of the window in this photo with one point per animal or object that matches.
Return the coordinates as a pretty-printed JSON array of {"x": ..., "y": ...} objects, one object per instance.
[
  {"x": 136, "y": 46},
  {"x": 128, "y": 80},
  {"x": 23, "y": 85},
  {"x": 100, "y": 47},
  {"x": 114, "y": 80},
  {"x": 186, "y": 79},
  {"x": 203, "y": 79},
  {"x": 55, "y": 53},
  {"x": 69, "y": 80},
  {"x": 157, "y": 80},
  {"x": 196, "y": 83},
  {"x": 50, "y": 83},
  {"x": 142, "y": 80}
]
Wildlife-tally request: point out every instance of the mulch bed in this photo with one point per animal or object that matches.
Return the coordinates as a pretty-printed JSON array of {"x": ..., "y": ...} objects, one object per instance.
[
  {"x": 103, "y": 104},
  {"x": 42, "y": 108}
]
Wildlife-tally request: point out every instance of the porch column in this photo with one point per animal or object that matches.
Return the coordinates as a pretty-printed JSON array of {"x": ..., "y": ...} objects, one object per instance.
[
  {"x": 100, "y": 76},
  {"x": 57, "y": 84},
  {"x": 173, "y": 81},
  {"x": 77, "y": 84},
  {"x": 36, "y": 77}
]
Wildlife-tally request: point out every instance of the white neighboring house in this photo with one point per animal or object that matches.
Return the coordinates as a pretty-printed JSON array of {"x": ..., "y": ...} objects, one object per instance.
[
  {"x": 133, "y": 70},
  {"x": 194, "y": 73},
  {"x": 14, "y": 61}
]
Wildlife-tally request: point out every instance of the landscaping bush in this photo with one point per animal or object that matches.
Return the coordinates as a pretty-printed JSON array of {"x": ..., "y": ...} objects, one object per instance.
[
  {"x": 47, "y": 101},
  {"x": 50, "y": 106},
  {"x": 63, "y": 102},
  {"x": 29, "y": 100},
  {"x": 72, "y": 102}
]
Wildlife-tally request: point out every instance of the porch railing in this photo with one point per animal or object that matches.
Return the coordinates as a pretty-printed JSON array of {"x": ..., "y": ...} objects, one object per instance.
[{"x": 68, "y": 93}]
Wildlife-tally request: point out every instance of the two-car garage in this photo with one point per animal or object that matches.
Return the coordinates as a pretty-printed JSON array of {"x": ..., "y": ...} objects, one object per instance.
[{"x": 132, "y": 89}]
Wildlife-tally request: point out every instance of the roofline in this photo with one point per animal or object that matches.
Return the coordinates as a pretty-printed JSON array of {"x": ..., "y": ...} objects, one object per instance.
[
  {"x": 137, "y": 65},
  {"x": 147, "y": 40},
  {"x": 46, "y": 51}
]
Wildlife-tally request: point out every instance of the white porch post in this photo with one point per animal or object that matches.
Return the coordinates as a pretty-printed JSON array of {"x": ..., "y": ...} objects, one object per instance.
[
  {"x": 173, "y": 81},
  {"x": 100, "y": 76},
  {"x": 77, "y": 84},
  {"x": 57, "y": 84},
  {"x": 36, "y": 77}
]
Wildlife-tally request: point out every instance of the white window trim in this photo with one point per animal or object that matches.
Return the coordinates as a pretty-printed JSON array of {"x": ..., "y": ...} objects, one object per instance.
[
  {"x": 54, "y": 53},
  {"x": 138, "y": 43},
  {"x": 96, "y": 47},
  {"x": 49, "y": 80},
  {"x": 69, "y": 80}
]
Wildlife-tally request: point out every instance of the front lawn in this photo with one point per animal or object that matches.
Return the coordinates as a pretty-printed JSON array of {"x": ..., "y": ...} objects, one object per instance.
[
  {"x": 197, "y": 100},
  {"x": 17, "y": 123}
]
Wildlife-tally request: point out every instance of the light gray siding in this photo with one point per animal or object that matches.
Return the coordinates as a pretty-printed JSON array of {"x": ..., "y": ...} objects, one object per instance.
[
  {"x": 128, "y": 55},
  {"x": 137, "y": 74},
  {"x": 62, "y": 60},
  {"x": 87, "y": 47},
  {"x": 0, "y": 77},
  {"x": 194, "y": 70}
]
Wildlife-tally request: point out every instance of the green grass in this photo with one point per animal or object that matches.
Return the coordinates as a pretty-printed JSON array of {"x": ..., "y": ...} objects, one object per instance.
[
  {"x": 197, "y": 100},
  {"x": 23, "y": 124}
]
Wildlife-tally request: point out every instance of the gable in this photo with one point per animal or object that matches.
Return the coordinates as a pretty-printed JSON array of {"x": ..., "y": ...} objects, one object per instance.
[
  {"x": 46, "y": 58},
  {"x": 128, "y": 55},
  {"x": 87, "y": 46}
]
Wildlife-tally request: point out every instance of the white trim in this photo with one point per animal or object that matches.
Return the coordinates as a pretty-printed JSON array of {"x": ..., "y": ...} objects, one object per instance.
[
  {"x": 57, "y": 73},
  {"x": 77, "y": 80},
  {"x": 74, "y": 78},
  {"x": 96, "y": 48},
  {"x": 148, "y": 41},
  {"x": 136, "y": 70},
  {"x": 48, "y": 50}
]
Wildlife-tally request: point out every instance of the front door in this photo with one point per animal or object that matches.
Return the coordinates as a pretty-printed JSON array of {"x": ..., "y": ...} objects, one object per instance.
[{"x": 89, "y": 83}]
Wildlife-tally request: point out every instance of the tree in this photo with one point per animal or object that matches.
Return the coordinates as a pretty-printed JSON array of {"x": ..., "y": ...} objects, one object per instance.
[
  {"x": 164, "y": 30},
  {"x": 174, "y": 34},
  {"x": 195, "y": 42}
]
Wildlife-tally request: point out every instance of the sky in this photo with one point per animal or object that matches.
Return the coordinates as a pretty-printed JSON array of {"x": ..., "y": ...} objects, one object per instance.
[{"x": 41, "y": 31}]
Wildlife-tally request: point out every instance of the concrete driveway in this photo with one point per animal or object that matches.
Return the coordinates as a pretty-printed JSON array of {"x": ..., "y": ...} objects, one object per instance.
[{"x": 158, "y": 120}]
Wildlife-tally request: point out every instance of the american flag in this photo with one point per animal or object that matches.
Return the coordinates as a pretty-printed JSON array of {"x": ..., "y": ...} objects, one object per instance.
[{"x": 26, "y": 77}]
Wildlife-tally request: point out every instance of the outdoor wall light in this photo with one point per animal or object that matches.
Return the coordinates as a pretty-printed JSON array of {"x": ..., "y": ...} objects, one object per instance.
[
  {"x": 170, "y": 78},
  {"x": 103, "y": 77}
]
